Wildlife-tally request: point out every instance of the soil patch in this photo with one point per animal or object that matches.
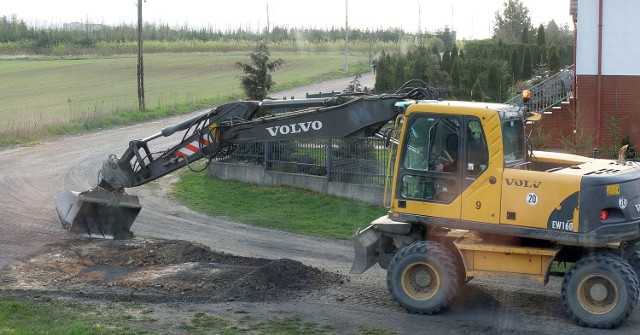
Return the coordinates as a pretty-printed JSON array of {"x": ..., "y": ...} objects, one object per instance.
[{"x": 157, "y": 270}]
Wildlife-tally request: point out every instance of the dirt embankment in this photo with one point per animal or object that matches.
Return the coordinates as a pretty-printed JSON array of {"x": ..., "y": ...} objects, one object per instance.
[{"x": 157, "y": 270}]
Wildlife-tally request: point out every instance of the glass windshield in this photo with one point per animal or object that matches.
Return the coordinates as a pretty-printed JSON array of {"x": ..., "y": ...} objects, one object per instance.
[{"x": 513, "y": 137}]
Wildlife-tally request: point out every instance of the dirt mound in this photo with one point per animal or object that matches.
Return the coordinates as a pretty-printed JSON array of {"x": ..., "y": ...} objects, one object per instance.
[{"x": 161, "y": 270}]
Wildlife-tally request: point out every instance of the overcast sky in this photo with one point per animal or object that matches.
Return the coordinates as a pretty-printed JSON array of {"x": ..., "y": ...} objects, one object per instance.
[{"x": 470, "y": 18}]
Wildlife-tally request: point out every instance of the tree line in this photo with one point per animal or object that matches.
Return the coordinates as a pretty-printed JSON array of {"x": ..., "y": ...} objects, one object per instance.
[
  {"x": 483, "y": 71},
  {"x": 516, "y": 57},
  {"x": 88, "y": 34}
]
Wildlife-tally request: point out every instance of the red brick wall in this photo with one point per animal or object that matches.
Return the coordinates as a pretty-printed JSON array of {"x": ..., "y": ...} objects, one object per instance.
[{"x": 620, "y": 100}]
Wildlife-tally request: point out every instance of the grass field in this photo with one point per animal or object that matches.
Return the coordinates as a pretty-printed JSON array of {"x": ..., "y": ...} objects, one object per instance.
[{"x": 38, "y": 92}]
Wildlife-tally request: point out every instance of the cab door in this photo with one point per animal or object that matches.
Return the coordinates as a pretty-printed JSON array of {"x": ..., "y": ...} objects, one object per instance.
[
  {"x": 429, "y": 172},
  {"x": 481, "y": 176}
]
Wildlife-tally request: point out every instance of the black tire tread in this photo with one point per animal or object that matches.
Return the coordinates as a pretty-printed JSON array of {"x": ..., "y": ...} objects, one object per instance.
[
  {"x": 634, "y": 261},
  {"x": 440, "y": 254},
  {"x": 616, "y": 263}
]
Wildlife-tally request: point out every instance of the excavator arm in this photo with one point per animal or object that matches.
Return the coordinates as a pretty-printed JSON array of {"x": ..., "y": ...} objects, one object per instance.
[
  {"x": 107, "y": 211},
  {"x": 216, "y": 133}
]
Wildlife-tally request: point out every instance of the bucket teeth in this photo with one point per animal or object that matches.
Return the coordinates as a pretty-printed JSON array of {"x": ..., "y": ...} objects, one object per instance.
[{"x": 98, "y": 213}]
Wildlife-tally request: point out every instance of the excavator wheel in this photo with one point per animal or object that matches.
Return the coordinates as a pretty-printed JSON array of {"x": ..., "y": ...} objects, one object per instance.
[
  {"x": 634, "y": 261},
  {"x": 600, "y": 291},
  {"x": 422, "y": 278}
]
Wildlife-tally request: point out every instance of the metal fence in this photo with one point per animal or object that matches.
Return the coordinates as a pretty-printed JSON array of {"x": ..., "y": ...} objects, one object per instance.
[{"x": 360, "y": 160}]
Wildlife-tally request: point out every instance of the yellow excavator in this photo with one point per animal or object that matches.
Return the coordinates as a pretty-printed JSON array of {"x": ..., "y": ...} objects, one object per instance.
[{"x": 467, "y": 196}]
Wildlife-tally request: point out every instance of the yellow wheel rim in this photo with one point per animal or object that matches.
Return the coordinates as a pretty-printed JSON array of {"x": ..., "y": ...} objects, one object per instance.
[
  {"x": 420, "y": 281},
  {"x": 598, "y": 294}
]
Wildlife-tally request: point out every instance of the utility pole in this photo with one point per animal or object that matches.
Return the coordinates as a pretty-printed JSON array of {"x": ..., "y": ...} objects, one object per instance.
[
  {"x": 268, "y": 26},
  {"x": 346, "y": 37},
  {"x": 140, "y": 66}
]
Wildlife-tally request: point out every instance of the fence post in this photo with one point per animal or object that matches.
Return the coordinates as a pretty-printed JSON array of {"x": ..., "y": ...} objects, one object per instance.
[
  {"x": 267, "y": 155},
  {"x": 330, "y": 159}
]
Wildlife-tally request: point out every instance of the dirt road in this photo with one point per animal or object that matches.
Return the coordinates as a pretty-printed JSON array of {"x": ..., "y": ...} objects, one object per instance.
[{"x": 30, "y": 177}]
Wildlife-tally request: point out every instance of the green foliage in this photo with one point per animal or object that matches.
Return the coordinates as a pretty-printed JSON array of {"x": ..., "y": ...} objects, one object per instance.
[
  {"x": 554, "y": 60},
  {"x": 257, "y": 80},
  {"x": 525, "y": 35},
  {"x": 527, "y": 64},
  {"x": 384, "y": 74},
  {"x": 456, "y": 74},
  {"x": 516, "y": 65},
  {"x": 539, "y": 139},
  {"x": 510, "y": 24},
  {"x": 282, "y": 208},
  {"x": 579, "y": 142},
  {"x": 445, "y": 64},
  {"x": 42, "y": 41},
  {"x": 541, "y": 38}
]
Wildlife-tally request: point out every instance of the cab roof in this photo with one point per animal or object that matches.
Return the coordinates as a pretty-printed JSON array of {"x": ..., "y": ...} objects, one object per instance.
[{"x": 464, "y": 107}]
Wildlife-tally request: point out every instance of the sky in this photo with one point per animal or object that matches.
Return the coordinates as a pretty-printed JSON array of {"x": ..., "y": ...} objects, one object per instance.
[{"x": 472, "y": 19}]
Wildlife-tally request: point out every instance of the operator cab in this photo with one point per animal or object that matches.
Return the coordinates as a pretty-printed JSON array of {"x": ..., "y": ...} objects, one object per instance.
[{"x": 445, "y": 152}]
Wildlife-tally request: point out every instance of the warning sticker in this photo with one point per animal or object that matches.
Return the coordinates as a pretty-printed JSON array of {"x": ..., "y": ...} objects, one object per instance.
[{"x": 613, "y": 189}]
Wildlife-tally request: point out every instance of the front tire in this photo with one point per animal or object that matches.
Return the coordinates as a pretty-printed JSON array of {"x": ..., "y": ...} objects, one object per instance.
[
  {"x": 422, "y": 278},
  {"x": 600, "y": 291}
]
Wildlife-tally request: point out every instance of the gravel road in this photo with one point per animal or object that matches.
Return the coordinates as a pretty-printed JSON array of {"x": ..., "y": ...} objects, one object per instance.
[{"x": 31, "y": 176}]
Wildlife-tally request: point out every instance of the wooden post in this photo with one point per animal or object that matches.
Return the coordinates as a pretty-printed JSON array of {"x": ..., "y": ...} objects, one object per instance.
[{"x": 141, "y": 106}]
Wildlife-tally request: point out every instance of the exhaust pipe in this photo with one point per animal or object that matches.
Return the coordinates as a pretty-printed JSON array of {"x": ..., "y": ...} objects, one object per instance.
[{"x": 98, "y": 213}]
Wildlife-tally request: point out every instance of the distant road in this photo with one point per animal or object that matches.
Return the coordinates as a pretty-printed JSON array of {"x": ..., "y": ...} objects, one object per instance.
[{"x": 368, "y": 80}]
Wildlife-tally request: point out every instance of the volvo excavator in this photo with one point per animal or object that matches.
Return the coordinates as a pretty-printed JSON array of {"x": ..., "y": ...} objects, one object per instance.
[{"x": 467, "y": 196}]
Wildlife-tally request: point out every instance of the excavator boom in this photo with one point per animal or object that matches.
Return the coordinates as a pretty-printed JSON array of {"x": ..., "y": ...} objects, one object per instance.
[{"x": 107, "y": 211}]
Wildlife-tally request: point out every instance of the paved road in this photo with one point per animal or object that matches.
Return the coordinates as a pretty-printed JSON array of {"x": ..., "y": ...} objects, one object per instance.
[{"x": 30, "y": 177}]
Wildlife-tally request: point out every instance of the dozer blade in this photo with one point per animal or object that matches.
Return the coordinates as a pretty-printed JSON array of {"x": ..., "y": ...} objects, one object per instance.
[
  {"x": 98, "y": 213},
  {"x": 366, "y": 250}
]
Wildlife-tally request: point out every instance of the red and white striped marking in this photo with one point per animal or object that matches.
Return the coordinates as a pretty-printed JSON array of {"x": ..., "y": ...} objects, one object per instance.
[{"x": 193, "y": 147}]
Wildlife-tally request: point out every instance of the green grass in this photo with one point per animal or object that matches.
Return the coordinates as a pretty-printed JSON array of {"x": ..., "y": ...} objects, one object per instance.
[
  {"x": 48, "y": 96},
  {"x": 283, "y": 208},
  {"x": 27, "y": 314},
  {"x": 44, "y": 315}
]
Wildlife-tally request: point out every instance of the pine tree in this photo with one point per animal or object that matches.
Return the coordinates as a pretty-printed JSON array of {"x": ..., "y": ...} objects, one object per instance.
[
  {"x": 516, "y": 69},
  {"x": 525, "y": 35},
  {"x": 541, "y": 37},
  {"x": 554, "y": 60},
  {"x": 527, "y": 65},
  {"x": 445, "y": 64},
  {"x": 456, "y": 74},
  {"x": 257, "y": 79}
]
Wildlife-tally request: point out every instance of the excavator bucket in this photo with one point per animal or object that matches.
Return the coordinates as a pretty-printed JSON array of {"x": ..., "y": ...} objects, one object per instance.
[{"x": 98, "y": 213}]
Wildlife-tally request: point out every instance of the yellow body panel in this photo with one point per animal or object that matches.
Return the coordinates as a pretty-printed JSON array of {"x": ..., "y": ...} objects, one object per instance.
[
  {"x": 532, "y": 196},
  {"x": 481, "y": 200},
  {"x": 486, "y": 259}
]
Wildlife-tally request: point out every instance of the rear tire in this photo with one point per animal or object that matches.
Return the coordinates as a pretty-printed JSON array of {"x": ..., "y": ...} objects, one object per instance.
[
  {"x": 422, "y": 278},
  {"x": 600, "y": 291},
  {"x": 634, "y": 261}
]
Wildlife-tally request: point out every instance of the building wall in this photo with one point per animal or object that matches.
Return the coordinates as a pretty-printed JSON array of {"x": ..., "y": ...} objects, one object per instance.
[
  {"x": 620, "y": 70},
  {"x": 620, "y": 38},
  {"x": 620, "y": 102}
]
